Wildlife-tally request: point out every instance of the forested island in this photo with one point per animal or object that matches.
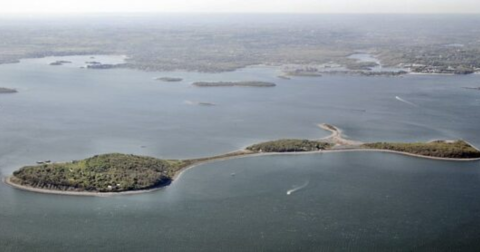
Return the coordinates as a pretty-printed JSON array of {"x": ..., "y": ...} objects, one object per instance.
[
  {"x": 102, "y": 173},
  {"x": 7, "y": 90},
  {"x": 235, "y": 84},
  {"x": 441, "y": 149},
  {"x": 290, "y": 145},
  {"x": 116, "y": 173}
]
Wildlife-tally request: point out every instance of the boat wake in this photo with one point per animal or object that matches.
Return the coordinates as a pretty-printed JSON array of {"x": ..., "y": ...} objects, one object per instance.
[
  {"x": 298, "y": 188},
  {"x": 405, "y": 101}
]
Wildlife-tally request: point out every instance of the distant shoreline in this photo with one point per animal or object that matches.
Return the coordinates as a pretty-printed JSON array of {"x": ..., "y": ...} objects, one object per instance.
[
  {"x": 218, "y": 71},
  {"x": 342, "y": 144}
]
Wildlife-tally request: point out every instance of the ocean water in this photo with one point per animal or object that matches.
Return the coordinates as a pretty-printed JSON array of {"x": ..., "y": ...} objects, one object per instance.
[{"x": 351, "y": 201}]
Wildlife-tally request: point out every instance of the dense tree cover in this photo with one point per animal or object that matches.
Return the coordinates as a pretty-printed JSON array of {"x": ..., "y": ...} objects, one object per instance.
[
  {"x": 101, "y": 173},
  {"x": 442, "y": 149},
  {"x": 289, "y": 145},
  {"x": 442, "y": 45},
  {"x": 121, "y": 172}
]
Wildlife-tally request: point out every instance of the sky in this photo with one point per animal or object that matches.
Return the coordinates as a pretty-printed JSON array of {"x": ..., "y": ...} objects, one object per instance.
[{"x": 241, "y": 6}]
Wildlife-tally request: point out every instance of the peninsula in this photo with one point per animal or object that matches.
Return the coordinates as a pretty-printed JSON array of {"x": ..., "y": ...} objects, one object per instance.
[{"x": 121, "y": 173}]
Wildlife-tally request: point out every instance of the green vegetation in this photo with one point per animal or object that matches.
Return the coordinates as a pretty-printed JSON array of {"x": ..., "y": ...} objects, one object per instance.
[
  {"x": 441, "y": 149},
  {"x": 102, "y": 173},
  {"x": 220, "y": 44},
  {"x": 121, "y": 172},
  {"x": 7, "y": 90},
  {"x": 235, "y": 84},
  {"x": 289, "y": 145},
  {"x": 320, "y": 71}
]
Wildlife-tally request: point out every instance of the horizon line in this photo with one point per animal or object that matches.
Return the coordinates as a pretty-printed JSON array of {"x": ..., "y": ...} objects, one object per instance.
[{"x": 225, "y": 12}]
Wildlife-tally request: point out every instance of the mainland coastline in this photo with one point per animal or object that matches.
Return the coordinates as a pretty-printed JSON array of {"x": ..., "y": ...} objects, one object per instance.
[{"x": 333, "y": 143}]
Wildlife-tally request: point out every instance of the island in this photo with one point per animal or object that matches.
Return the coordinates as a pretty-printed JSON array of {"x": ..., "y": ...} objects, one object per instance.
[
  {"x": 360, "y": 71},
  {"x": 304, "y": 72},
  {"x": 440, "y": 148},
  {"x": 7, "y": 90},
  {"x": 169, "y": 79},
  {"x": 290, "y": 145},
  {"x": 472, "y": 88},
  {"x": 105, "y": 66},
  {"x": 93, "y": 62},
  {"x": 125, "y": 174},
  {"x": 284, "y": 77},
  {"x": 235, "y": 84},
  {"x": 206, "y": 104},
  {"x": 60, "y": 62},
  {"x": 101, "y": 173}
]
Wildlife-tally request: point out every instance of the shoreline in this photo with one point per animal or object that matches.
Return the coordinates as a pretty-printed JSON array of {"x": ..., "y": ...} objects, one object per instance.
[
  {"x": 277, "y": 65},
  {"x": 7, "y": 180},
  {"x": 340, "y": 145},
  {"x": 178, "y": 174}
]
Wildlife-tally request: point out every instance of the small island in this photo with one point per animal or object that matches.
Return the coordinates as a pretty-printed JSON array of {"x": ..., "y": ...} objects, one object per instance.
[
  {"x": 206, "y": 104},
  {"x": 235, "y": 84},
  {"x": 7, "y": 90},
  {"x": 290, "y": 145},
  {"x": 284, "y": 77},
  {"x": 93, "y": 62},
  {"x": 472, "y": 88},
  {"x": 97, "y": 65},
  {"x": 122, "y": 173},
  {"x": 169, "y": 79},
  {"x": 60, "y": 62}
]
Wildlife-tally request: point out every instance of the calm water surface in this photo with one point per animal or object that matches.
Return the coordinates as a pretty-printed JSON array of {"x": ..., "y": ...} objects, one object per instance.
[{"x": 352, "y": 201}]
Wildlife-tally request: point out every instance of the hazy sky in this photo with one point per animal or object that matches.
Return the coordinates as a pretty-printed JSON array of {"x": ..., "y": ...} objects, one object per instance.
[{"x": 308, "y": 6}]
